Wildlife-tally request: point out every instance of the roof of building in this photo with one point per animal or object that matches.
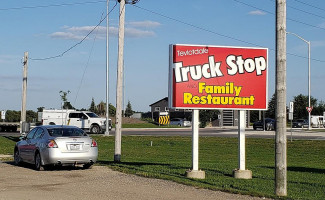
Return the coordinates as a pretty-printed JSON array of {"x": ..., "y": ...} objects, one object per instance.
[{"x": 164, "y": 99}]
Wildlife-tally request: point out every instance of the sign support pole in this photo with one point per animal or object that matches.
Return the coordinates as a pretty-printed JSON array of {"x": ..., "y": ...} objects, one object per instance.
[
  {"x": 241, "y": 172},
  {"x": 195, "y": 172}
]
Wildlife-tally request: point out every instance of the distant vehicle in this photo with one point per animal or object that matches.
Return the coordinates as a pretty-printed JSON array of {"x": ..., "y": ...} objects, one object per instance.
[
  {"x": 180, "y": 122},
  {"x": 316, "y": 121},
  {"x": 85, "y": 120},
  {"x": 270, "y": 124},
  {"x": 300, "y": 123},
  {"x": 54, "y": 145},
  {"x": 9, "y": 126}
]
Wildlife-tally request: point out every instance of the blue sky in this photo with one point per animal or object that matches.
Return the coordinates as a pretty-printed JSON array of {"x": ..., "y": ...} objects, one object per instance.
[{"x": 48, "y": 28}]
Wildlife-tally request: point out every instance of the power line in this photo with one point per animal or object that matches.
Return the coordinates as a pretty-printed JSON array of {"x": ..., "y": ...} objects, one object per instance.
[
  {"x": 309, "y": 5},
  {"x": 290, "y": 19},
  {"x": 309, "y": 13},
  {"x": 51, "y": 5},
  {"x": 219, "y": 34},
  {"x": 62, "y": 54},
  {"x": 84, "y": 72}
]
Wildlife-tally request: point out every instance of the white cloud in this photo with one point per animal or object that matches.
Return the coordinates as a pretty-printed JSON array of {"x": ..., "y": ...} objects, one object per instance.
[
  {"x": 66, "y": 36},
  {"x": 322, "y": 25},
  {"x": 146, "y": 24},
  {"x": 79, "y": 32},
  {"x": 257, "y": 12}
]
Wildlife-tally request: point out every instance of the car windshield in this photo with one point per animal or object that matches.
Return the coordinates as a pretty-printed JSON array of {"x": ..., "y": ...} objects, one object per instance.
[
  {"x": 92, "y": 115},
  {"x": 65, "y": 132}
]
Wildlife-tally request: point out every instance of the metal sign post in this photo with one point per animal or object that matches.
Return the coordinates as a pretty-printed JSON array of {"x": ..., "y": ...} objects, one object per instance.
[
  {"x": 291, "y": 116},
  {"x": 195, "y": 172},
  {"x": 242, "y": 172},
  {"x": 3, "y": 115}
]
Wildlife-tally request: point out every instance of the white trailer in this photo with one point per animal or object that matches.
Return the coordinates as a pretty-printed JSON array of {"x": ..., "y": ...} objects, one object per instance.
[
  {"x": 317, "y": 121},
  {"x": 86, "y": 120}
]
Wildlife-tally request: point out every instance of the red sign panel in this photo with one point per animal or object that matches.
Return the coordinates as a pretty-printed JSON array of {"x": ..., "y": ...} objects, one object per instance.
[
  {"x": 213, "y": 77},
  {"x": 309, "y": 109}
]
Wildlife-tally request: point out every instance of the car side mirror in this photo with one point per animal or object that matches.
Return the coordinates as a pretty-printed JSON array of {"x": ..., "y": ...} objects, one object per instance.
[{"x": 23, "y": 137}]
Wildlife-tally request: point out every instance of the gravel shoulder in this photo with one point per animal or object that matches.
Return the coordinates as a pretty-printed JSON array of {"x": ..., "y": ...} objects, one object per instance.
[{"x": 100, "y": 182}]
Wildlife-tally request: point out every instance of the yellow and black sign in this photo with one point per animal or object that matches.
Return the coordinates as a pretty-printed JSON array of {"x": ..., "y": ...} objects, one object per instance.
[{"x": 164, "y": 119}]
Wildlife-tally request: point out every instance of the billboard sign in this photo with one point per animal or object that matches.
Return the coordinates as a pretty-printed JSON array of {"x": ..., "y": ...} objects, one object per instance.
[{"x": 217, "y": 77}]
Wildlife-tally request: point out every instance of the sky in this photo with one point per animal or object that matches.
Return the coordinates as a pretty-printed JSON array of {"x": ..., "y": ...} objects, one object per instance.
[{"x": 49, "y": 28}]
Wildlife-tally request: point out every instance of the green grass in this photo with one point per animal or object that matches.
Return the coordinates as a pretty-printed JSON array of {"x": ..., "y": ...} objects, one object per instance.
[{"x": 169, "y": 158}]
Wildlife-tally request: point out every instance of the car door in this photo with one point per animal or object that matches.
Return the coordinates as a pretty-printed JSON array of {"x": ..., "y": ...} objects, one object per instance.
[
  {"x": 25, "y": 145},
  {"x": 74, "y": 119}
]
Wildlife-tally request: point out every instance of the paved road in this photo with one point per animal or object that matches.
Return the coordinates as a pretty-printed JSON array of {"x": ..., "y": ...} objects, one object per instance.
[{"x": 216, "y": 132}]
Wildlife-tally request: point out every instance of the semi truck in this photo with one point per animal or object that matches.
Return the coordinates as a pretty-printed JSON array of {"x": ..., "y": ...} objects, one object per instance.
[
  {"x": 9, "y": 126},
  {"x": 86, "y": 120}
]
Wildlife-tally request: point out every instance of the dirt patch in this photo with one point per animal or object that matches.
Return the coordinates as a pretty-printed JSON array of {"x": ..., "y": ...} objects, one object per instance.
[{"x": 97, "y": 183}]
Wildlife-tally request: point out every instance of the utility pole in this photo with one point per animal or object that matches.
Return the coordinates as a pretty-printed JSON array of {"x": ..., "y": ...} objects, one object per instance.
[
  {"x": 119, "y": 85},
  {"x": 24, "y": 94},
  {"x": 281, "y": 138},
  {"x": 107, "y": 72}
]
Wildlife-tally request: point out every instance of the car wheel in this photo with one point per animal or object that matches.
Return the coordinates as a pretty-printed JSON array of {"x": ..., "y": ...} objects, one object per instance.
[
  {"x": 17, "y": 158},
  {"x": 95, "y": 129},
  {"x": 38, "y": 162},
  {"x": 88, "y": 166}
]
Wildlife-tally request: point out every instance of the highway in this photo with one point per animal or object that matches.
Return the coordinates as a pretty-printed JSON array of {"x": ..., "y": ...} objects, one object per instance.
[{"x": 301, "y": 134}]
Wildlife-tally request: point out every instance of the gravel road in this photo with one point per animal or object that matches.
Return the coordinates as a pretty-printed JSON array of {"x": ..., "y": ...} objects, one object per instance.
[{"x": 97, "y": 183}]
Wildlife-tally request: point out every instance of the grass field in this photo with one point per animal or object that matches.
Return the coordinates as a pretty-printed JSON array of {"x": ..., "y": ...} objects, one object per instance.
[{"x": 169, "y": 158}]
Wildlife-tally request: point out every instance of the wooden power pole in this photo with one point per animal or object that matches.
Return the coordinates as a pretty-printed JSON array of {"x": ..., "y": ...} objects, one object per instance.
[
  {"x": 281, "y": 138},
  {"x": 119, "y": 85},
  {"x": 24, "y": 94}
]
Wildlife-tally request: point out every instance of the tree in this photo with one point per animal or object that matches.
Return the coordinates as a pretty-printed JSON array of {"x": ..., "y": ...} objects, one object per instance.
[
  {"x": 92, "y": 107},
  {"x": 101, "y": 108},
  {"x": 270, "y": 113},
  {"x": 207, "y": 115},
  {"x": 128, "y": 110},
  {"x": 66, "y": 103},
  {"x": 300, "y": 104},
  {"x": 40, "y": 109},
  {"x": 112, "y": 110}
]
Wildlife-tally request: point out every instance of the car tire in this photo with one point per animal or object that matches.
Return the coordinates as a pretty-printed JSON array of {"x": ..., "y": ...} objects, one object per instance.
[
  {"x": 17, "y": 158},
  {"x": 88, "y": 166},
  {"x": 38, "y": 162},
  {"x": 95, "y": 129}
]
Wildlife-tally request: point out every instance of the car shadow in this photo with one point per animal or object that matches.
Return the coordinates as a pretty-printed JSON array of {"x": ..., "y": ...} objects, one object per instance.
[
  {"x": 13, "y": 138},
  {"x": 48, "y": 168}
]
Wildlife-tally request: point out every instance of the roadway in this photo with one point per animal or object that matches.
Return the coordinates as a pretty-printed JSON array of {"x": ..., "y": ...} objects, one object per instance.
[{"x": 302, "y": 134}]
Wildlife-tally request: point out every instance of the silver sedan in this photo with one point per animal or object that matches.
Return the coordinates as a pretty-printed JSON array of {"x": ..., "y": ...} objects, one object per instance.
[{"x": 52, "y": 145}]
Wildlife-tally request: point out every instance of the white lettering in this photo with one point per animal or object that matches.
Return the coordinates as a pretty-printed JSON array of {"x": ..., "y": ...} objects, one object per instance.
[
  {"x": 240, "y": 65},
  {"x": 193, "y": 52},
  {"x": 208, "y": 70}
]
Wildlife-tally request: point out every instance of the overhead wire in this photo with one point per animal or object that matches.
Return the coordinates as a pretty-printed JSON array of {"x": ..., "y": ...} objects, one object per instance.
[
  {"x": 51, "y": 5},
  {"x": 290, "y": 19},
  {"x": 81, "y": 41},
  {"x": 87, "y": 64},
  {"x": 216, "y": 33},
  {"x": 310, "y": 5}
]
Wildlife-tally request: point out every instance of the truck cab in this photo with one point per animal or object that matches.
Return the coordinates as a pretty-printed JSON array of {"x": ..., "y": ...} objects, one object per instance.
[{"x": 86, "y": 120}]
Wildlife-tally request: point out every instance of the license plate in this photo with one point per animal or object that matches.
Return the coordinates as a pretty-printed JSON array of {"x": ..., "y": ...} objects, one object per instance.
[{"x": 74, "y": 146}]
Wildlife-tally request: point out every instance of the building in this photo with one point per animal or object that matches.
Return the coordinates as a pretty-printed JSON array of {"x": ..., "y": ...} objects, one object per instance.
[
  {"x": 228, "y": 117},
  {"x": 161, "y": 108}
]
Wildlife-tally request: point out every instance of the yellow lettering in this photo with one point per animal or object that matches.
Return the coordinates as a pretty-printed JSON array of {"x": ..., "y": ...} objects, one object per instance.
[{"x": 187, "y": 98}]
